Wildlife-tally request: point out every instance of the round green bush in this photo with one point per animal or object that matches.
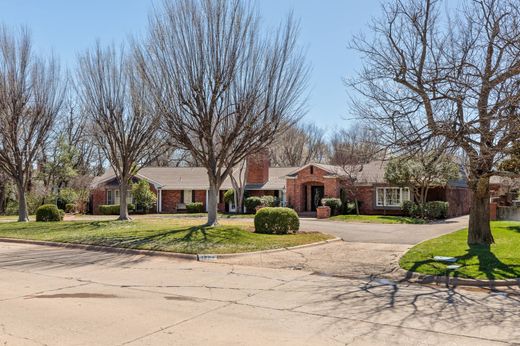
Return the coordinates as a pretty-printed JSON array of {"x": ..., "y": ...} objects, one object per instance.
[
  {"x": 276, "y": 221},
  {"x": 49, "y": 213}
]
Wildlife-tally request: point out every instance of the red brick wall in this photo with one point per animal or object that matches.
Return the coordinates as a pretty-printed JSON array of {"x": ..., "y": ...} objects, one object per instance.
[
  {"x": 170, "y": 199},
  {"x": 260, "y": 193},
  {"x": 295, "y": 187},
  {"x": 258, "y": 168},
  {"x": 200, "y": 196},
  {"x": 98, "y": 196}
]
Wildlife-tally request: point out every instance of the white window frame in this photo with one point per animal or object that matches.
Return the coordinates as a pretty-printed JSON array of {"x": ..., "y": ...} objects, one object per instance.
[{"x": 402, "y": 198}]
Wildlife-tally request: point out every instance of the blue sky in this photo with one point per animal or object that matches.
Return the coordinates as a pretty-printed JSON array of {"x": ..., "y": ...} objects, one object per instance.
[{"x": 67, "y": 27}]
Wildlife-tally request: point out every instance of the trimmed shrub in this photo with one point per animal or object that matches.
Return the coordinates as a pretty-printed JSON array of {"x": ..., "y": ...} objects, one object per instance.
[
  {"x": 430, "y": 210},
  {"x": 113, "y": 209},
  {"x": 49, "y": 213},
  {"x": 195, "y": 207},
  {"x": 268, "y": 201},
  {"x": 276, "y": 221},
  {"x": 333, "y": 203},
  {"x": 70, "y": 208},
  {"x": 251, "y": 203},
  {"x": 409, "y": 208},
  {"x": 436, "y": 210}
]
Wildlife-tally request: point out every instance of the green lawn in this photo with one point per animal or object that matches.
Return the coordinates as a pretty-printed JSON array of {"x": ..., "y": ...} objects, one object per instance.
[
  {"x": 498, "y": 261},
  {"x": 175, "y": 235},
  {"x": 376, "y": 219}
]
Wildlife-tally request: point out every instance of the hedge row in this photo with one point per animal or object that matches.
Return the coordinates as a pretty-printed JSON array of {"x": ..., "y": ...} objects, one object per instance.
[
  {"x": 113, "y": 209},
  {"x": 430, "y": 210}
]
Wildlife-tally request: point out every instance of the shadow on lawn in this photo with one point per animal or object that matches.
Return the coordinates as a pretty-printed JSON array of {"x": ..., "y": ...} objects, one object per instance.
[
  {"x": 196, "y": 238},
  {"x": 488, "y": 264},
  {"x": 514, "y": 228}
]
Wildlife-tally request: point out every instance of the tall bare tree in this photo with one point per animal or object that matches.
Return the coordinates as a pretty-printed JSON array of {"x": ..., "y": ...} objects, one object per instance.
[
  {"x": 351, "y": 149},
  {"x": 225, "y": 87},
  {"x": 299, "y": 145},
  {"x": 124, "y": 123},
  {"x": 453, "y": 76},
  {"x": 30, "y": 101}
]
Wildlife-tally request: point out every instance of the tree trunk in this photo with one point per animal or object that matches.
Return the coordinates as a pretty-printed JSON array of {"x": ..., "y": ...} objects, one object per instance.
[
  {"x": 240, "y": 202},
  {"x": 479, "y": 231},
  {"x": 3, "y": 188},
  {"x": 212, "y": 204},
  {"x": 23, "y": 216},
  {"x": 123, "y": 205}
]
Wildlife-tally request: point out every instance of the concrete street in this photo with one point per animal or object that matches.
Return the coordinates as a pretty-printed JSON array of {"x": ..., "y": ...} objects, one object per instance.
[{"x": 57, "y": 296}]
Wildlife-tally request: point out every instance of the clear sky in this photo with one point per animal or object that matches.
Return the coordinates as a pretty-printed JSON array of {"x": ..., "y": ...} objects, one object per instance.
[{"x": 67, "y": 27}]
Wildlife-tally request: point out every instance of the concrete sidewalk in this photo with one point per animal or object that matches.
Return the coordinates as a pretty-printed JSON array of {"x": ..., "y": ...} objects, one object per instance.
[{"x": 57, "y": 296}]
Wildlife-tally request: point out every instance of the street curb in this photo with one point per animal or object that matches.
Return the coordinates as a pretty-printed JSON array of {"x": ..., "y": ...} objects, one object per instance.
[
  {"x": 241, "y": 254},
  {"x": 454, "y": 281},
  {"x": 159, "y": 253},
  {"x": 101, "y": 248}
]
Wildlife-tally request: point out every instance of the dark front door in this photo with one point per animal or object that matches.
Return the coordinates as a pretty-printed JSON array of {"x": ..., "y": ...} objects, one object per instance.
[{"x": 316, "y": 196}]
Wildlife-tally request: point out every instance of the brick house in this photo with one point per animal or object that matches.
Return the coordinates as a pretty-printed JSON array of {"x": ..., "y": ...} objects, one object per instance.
[
  {"x": 301, "y": 188},
  {"x": 177, "y": 186},
  {"x": 307, "y": 185}
]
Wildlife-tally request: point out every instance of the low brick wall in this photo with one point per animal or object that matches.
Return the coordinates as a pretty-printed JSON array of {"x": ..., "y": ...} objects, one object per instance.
[{"x": 323, "y": 212}]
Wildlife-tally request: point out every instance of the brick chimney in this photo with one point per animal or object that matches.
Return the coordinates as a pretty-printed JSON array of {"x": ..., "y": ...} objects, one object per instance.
[{"x": 258, "y": 168}]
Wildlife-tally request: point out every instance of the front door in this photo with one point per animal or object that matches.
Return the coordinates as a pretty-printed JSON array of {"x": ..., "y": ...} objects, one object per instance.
[{"x": 316, "y": 196}]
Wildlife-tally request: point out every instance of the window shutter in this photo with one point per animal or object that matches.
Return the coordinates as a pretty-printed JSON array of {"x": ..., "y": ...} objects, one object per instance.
[
  {"x": 192, "y": 196},
  {"x": 182, "y": 196}
]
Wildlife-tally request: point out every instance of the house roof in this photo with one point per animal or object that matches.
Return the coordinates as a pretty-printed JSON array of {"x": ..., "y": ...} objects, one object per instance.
[
  {"x": 372, "y": 172},
  {"x": 194, "y": 178}
]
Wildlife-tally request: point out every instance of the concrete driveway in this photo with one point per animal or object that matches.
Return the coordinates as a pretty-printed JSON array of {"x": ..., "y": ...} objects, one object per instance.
[
  {"x": 384, "y": 233},
  {"x": 369, "y": 250},
  {"x": 54, "y": 296}
]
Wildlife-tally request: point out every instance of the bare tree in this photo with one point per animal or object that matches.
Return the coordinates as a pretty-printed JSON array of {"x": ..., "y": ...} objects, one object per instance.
[
  {"x": 239, "y": 182},
  {"x": 124, "y": 124},
  {"x": 352, "y": 149},
  {"x": 453, "y": 76},
  {"x": 299, "y": 145},
  {"x": 226, "y": 88},
  {"x": 30, "y": 101}
]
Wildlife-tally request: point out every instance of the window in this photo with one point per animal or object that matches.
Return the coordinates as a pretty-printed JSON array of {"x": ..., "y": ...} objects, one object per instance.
[
  {"x": 116, "y": 199},
  {"x": 110, "y": 199},
  {"x": 391, "y": 196},
  {"x": 187, "y": 196}
]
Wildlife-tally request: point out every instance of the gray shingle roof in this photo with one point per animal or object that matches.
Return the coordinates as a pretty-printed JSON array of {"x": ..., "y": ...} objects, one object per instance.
[{"x": 195, "y": 178}]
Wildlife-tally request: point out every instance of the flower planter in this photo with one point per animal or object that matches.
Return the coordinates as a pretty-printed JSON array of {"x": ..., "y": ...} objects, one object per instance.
[{"x": 323, "y": 212}]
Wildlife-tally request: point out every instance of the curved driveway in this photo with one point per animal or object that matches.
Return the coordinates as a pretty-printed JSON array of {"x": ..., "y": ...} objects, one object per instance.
[
  {"x": 384, "y": 233},
  {"x": 368, "y": 250}
]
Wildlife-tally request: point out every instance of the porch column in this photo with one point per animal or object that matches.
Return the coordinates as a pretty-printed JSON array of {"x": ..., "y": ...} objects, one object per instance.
[{"x": 159, "y": 201}]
